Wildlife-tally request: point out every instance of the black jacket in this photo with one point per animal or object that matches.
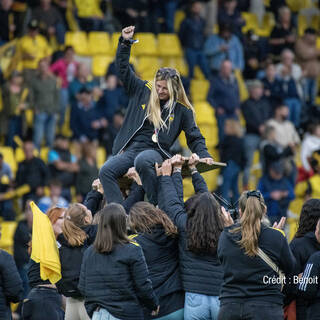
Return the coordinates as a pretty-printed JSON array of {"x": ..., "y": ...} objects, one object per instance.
[
  {"x": 246, "y": 278},
  {"x": 162, "y": 257},
  {"x": 22, "y": 237},
  {"x": 232, "y": 148},
  {"x": 118, "y": 282},
  {"x": 11, "y": 289},
  {"x": 139, "y": 93},
  {"x": 200, "y": 273}
]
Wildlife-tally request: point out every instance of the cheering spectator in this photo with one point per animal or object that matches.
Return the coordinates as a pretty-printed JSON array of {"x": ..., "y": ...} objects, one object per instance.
[
  {"x": 307, "y": 55},
  {"x": 14, "y": 97},
  {"x": 222, "y": 46},
  {"x": 7, "y": 26},
  {"x": 54, "y": 199},
  {"x": 65, "y": 68},
  {"x": 224, "y": 95},
  {"x": 256, "y": 111},
  {"x": 283, "y": 34},
  {"x": 63, "y": 165},
  {"x": 50, "y": 21},
  {"x": 32, "y": 172},
  {"x": 45, "y": 98},
  {"x": 232, "y": 152},
  {"x": 277, "y": 191},
  {"x": 228, "y": 13},
  {"x": 192, "y": 38}
]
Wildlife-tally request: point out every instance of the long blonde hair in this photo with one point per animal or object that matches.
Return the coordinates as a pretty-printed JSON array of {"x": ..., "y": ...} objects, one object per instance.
[
  {"x": 176, "y": 94},
  {"x": 253, "y": 209}
]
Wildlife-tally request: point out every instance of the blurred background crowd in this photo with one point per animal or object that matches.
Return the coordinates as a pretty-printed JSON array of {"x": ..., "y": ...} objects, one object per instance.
[{"x": 250, "y": 68}]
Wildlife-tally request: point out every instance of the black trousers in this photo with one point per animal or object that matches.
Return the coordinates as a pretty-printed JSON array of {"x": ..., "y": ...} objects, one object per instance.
[
  {"x": 250, "y": 310},
  {"x": 43, "y": 303}
]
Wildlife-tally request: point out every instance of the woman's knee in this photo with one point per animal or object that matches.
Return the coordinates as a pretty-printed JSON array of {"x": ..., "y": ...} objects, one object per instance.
[
  {"x": 147, "y": 159},
  {"x": 106, "y": 171}
]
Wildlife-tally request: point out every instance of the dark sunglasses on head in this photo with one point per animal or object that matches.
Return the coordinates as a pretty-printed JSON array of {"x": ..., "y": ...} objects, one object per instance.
[
  {"x": 168, "y": 73},
  {"x": 254, "y": 193}
]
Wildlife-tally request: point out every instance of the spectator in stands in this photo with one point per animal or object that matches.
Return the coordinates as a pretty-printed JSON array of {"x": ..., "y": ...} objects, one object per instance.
[
  {"x": 89, "y": 15},
  {"x": 63, "y": 165},
  {"x": 11, "y": 290},
  {"x": 21, "y": 242},
  {"x": 45, "y": 99},
  {"x": 283, "y": 34},
  {"x": 32, "y": 172},
  {"x": 7, "y": 25},
  {"x": 6, "y": 177},
  {"x": 65, "y": 68},
  {"x": 305, "y": 243},
  {"x": 232, "y": 152},
  {"x": 307, "y": 55},
  {"x": 50, "y": 21},
  {"x": 54, "y": 199},
  {"x": 86, "y": 119},
  {"x": 228, "y": 13},
  {"x": 245, "y": 292},
  {"x": 88, "y": 170},
  {"x": 192, "y": 37},
  {"x": 272, "y": 85},
  {"x": 15, "y": 101},
  {"x": 277, "y": 191},
  {"x": 224, "y": 95},
  {"x": 256, "y": 111},
  {"x": 222, "y": 46},
  {"x": 107, "y": 296},
  {"x": 32, "y": 48}
]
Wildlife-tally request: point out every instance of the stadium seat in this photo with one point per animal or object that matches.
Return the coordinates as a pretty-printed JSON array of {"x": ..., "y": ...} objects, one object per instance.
[
  {"x": 211, "y": 178},
  {"x": 79, "y": 41},
  {"x": 178, "y": 18},
  {"x": 176, "y": 62},
  {"x": 147, "y": 45},
  {"x": 99, "y": 43},
  {"x": 44, "y": 154},
  {"x": 100, "y": 65},
  {"x": 242, "y": 86},
  {"x": 252, "y": 22},
  {"x": 302, "y": 24},
  {"x": 210, "y": 133},
  {"x": 8, "y": 157},
  {"x": 188, "y": 189},
  {"x": 29, "y": 117},
  {"x": 297, "y": 5},
  {"x": 268, "y": 22},
  {"x": 169, "y": 45},
  {"x": 199, "y": 90},
  {"x": 204, "y": 113},
  {"x": 114, "y": 42},
  {"x": 101, "y": 156},
  {"x": 147, "y": 67},
  {"x": 7, "y": 234}
]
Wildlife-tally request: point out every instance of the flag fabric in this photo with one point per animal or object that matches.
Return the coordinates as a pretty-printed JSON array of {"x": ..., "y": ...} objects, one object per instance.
[{"x": 44, "y": 246}]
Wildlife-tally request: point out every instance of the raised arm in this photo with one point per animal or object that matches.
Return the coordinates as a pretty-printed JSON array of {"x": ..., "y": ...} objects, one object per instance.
[
  {"x": 130, "y": 81},
  {"x": 199, "y": 184}
]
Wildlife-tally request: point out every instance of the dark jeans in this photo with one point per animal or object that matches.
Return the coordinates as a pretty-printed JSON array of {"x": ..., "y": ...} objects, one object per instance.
[
  {"x": 196, "y": 57},
  {"x": 251, "y": 311},
  {"x": 230, "y": 180},
  {"x": 43, "y": 303},
  {"x": 91, "y": 24},
  {"x": 23, "y": 272},
  {"x": 115, "y": 167},
  {"x": 14, "y": 128}
]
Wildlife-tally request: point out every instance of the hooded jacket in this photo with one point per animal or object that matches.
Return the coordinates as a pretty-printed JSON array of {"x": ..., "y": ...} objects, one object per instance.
[{"x": 247, "y": 278}]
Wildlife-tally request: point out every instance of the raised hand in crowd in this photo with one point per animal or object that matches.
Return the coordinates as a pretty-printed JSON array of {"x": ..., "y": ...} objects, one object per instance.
[
  {"x": 177, "y": 161},
  {"x": 226, "y": 216},
  {"x": 133, "y": 174},
  {"x": 280, "y": 225},
  {"x": 127, "y": 33},
  {"x": 96, "y": 185}
]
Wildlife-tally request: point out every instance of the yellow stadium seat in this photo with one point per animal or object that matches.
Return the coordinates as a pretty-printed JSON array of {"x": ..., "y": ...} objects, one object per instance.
[
  {"x": 244, "y": 95},
  {"x": 315, "y": 22},
  {"x": 210, "y": 133},
  {"x": 114, "y": 41},
  {"x": 188, "y": 189},
  {"x": 147, "y": 45},
  {"x": 252, "y": 22},
  {"x": 268, "y": 22},
  {"x": 302, "y": 24},
  {"x": 29, "y": 117},
  {"x": 178, "y": 18},
  {"x": 100, "y": 65},
  {"x": 211, "y": 178},
  {"x": 78, "y": 40},
  {"x": 101, "y": 156},
  {"x": 169, "y": 45},
  {"x": 199, "y": 90},
  {"x": 19, "y": 154},
  {"x": 297, "y": 5},
  {"x": 8, "y": 157},
  {"x": 318, "y": 42},
  {"x": 44, "y": 154},
  {"x": 176, "y": 62},
  {"x": 147, "y": 67},
  {"x": 7, "y": 234},
  {"x": 204, "y": 113},
  {"x": 99, "y": 43}
]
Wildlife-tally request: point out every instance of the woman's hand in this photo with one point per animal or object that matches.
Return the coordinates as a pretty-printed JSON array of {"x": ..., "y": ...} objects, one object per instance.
[
  {"x": 177, "y": 161},
  {"x": 96, "y": 185},
  {"x": 193, "y": 161},
  {"x": 227, "y": 219},
  {"x": 133, "y": 174},
  {"x": 207, "y": 161},
  {"x": 280, "y": 225},
  {"x": 127, "y": 33},
  {"x": 155, "y": 312},
  {"x": 166, "y": 168}
]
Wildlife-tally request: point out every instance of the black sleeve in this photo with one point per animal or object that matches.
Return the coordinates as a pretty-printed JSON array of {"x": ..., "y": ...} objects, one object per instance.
[
  {"x": 45, "y": 173},
  {"x": 11, "y": 281},
  {"x": 287, "y": 259},
  {"x": 20, "y": 175},
  {"x": 136, "y": 194},
  {"x": 130, "y": 81},
  {"x": 142, "y": 282},
  {"x": 21, "y": 235},
  {"x": 271, "y": 153},
  {"x": 93, "y": 201},
  {"x": 195, "y": 140},
  {"x": 199, "y": 184},
  {"x": 82, "y": 278},
  {"x": 178, "y": 183}
]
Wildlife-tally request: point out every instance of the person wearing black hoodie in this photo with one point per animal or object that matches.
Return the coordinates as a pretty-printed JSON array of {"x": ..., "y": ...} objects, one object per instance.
[
  {"x": 304, "y": 244},
  {"x": 199, "y": 231},
  {"x": 158, "y": 238},
  {"x": 251, "y": 288}
]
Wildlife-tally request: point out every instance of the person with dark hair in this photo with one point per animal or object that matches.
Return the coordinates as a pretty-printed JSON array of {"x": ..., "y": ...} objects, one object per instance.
[
  {"x": 199, "y": 232},
  {"x": 114, "y": 278},
  {"x": 157, "y": 113},
  {"x": 158, "y": 238},
  {"x": 304, "y": 244},
  {"x": 244, "y": 248}
]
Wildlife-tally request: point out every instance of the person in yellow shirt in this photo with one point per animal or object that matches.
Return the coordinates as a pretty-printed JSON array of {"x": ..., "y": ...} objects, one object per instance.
[{"x": 32, "y": 48}]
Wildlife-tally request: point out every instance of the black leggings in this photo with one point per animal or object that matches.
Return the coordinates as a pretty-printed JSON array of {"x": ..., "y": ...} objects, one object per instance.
[{"x": 43, "y": 303}]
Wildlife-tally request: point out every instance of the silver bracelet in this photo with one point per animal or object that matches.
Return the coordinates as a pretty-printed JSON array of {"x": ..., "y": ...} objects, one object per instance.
[
  {"x": 193, "y": 171},
  {"x": 177, "y": 170}
]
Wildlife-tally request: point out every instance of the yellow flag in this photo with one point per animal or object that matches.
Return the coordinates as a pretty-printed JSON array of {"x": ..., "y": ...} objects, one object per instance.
[{"x": 44, "y": 246}]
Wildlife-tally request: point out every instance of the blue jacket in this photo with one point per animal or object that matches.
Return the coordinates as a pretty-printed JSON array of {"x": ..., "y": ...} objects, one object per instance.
[{"x": 216, "y": 56}]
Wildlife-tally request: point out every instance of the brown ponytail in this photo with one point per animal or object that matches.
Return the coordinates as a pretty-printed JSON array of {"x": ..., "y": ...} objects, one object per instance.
[{"x": 74, "y": 220}]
